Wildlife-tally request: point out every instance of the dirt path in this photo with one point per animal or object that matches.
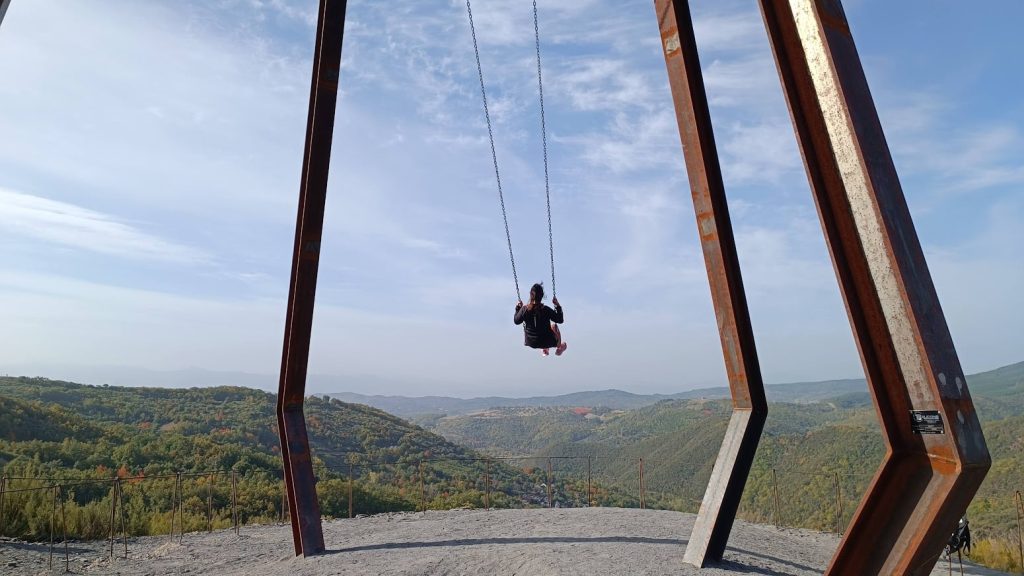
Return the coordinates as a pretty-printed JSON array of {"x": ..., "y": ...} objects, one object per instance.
[{"x": 540, "y": 542}]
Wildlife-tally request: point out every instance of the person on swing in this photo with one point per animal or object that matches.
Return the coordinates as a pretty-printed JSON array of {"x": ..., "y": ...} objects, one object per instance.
[{"x": 540, "y": 323}]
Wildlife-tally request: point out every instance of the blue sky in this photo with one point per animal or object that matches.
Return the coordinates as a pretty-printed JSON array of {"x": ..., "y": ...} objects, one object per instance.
[{"x": 150, "y": 156}]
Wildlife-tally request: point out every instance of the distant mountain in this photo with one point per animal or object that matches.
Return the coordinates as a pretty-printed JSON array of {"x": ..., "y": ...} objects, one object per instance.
[
  {"x": 1000, "y": 385},
  {"x": 414, "y": 406},
  {"x": 407, "y": 406}
]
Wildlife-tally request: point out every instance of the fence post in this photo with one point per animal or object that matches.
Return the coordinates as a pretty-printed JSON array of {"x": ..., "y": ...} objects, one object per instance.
[
  {"x": 423, "y": 489},
  {"x": 113, "y": 514},
  {"x": 174, "y": 502},
  {"x": 64, "y": 529},
  {"x": 1019, "y": 502},
  {"x": 643, "y": 503},
  {"x": 234, "y": 500},
  {"x": 53, "y": 514},
  {"x": 351, "y": 480},
  {"x": 209, "y": 503},
  {"x": 550, "y": 495},
  {"x": 181, "y": 510},
  {"x": 839, "y": 504},
  {"x": 3, "y": 488},
  {"x": 124, "y": 524},
  {"x": 590, "y": 488},
  {"x": 775, "y": 492},
  {"x": 487, "y": 483}
]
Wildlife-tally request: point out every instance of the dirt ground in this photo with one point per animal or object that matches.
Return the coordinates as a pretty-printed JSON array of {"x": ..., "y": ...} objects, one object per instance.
[{"x": 538, "y": 542}]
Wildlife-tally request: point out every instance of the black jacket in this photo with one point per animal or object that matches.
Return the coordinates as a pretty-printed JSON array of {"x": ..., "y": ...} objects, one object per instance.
[{"x": 537, "y": 325}]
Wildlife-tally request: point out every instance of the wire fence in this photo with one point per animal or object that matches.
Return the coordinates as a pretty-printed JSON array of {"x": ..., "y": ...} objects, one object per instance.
[{"x": 57, "y": 510}]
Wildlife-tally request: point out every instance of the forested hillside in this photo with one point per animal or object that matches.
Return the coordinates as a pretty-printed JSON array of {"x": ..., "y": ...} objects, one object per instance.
[
  {"x": 818, "y": 456},
  {"x": 814, "y": 461},
  {"x": 72, "y": 433}
]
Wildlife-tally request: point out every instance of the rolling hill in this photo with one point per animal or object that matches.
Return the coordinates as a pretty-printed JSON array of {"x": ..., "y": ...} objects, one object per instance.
[
  {"x": 79, "y": 433},
  {"x": 1003, "y": 383},
  {"x": 809, "y": 452}
]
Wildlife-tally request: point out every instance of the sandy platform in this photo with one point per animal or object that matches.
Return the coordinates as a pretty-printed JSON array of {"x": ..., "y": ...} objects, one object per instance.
[{"x": 539, "y": 542}]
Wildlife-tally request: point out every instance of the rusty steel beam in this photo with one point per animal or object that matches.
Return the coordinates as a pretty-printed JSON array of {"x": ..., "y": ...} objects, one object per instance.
[
  {"x": 4, "y": 4},
  {"x": 936, "y": 455},
  {"x": 725, "y": 489},
  {"x": 300, "y": 482}
]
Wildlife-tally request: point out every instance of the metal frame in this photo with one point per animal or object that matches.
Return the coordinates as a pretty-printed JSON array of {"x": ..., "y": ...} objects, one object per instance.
[
  {"x": 750, "y": 409},
  {"x": 304, "y": 508},
  {"x": 4, "y": 4},
  {"x": 925, "y": 481}
]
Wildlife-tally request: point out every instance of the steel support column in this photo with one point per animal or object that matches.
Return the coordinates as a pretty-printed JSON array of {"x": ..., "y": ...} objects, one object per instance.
[
  {"x": 4, "y": 4},
  {"x": 928, "y": 476},
  {"x": 729, "y": 476},
  {"x": 303, "y": 506}
]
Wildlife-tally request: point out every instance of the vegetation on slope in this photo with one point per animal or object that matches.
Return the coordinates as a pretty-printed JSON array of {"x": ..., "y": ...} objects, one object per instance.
[
  {"x": 818, "y": 457},
  {"x": 76, "y": 433}
]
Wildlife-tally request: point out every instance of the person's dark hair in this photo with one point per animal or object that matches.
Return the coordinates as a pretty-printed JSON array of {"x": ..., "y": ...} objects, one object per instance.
[{"x": 536, "y": 295}]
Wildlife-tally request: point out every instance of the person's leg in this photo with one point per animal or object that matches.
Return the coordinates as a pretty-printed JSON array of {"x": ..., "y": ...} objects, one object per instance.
[{"x": 558, "y": 336}]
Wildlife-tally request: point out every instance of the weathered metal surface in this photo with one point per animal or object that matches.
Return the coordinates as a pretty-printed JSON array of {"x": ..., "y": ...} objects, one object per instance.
[
  {"x": 4, "y": 5},
  {"x": 722, "y": 498},
  {"x": 925, "y": 481},
  {"x": 303, "y": 506}
]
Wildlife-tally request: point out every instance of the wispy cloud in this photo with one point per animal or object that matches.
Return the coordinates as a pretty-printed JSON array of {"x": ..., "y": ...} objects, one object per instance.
[
  {"x": 603, "y": 84},
  {"x": 78, "y": 228},
  {"x": 930, "y": 145},
  {"x": 759, "y": 153}
]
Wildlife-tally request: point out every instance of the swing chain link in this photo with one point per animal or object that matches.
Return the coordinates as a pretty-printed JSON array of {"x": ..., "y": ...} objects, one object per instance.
[
  {"x": 494, "y": 154},
  {"x": 544, "y": 138}
]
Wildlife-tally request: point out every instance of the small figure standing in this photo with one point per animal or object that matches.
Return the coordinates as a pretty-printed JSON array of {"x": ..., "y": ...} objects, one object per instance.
[{"x": 540, "y": 322}]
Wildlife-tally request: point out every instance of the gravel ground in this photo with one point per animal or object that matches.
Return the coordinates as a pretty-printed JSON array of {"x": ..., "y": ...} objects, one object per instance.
[{"x": 539, "y": 542}]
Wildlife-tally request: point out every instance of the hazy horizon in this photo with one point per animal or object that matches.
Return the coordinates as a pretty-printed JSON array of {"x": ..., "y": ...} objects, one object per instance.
[{"x": 367, "y": 385}]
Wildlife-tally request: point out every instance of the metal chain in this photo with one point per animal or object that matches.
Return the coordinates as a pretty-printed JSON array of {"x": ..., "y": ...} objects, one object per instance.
[
  {"x": 494, "y": 154},
  {"x": 544, "y": 138}
]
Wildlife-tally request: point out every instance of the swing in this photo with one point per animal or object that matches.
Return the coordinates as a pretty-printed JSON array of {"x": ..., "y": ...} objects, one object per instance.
[
  {"x": 494, "y": 154},
  {"x": 539, "y": 321}
]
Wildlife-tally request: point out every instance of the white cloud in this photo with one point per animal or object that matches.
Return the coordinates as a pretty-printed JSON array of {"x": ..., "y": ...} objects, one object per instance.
[
  {"x": 79, "y": 228},
  {"x": 156, "y": 99},
  {"x": 759, "y": 153},
  {"x": 603, "y": 84},
  {"x": 951, "y": 157},
  {"x": 631, "y": 143},
  {"x": 729, "y": 31}
]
